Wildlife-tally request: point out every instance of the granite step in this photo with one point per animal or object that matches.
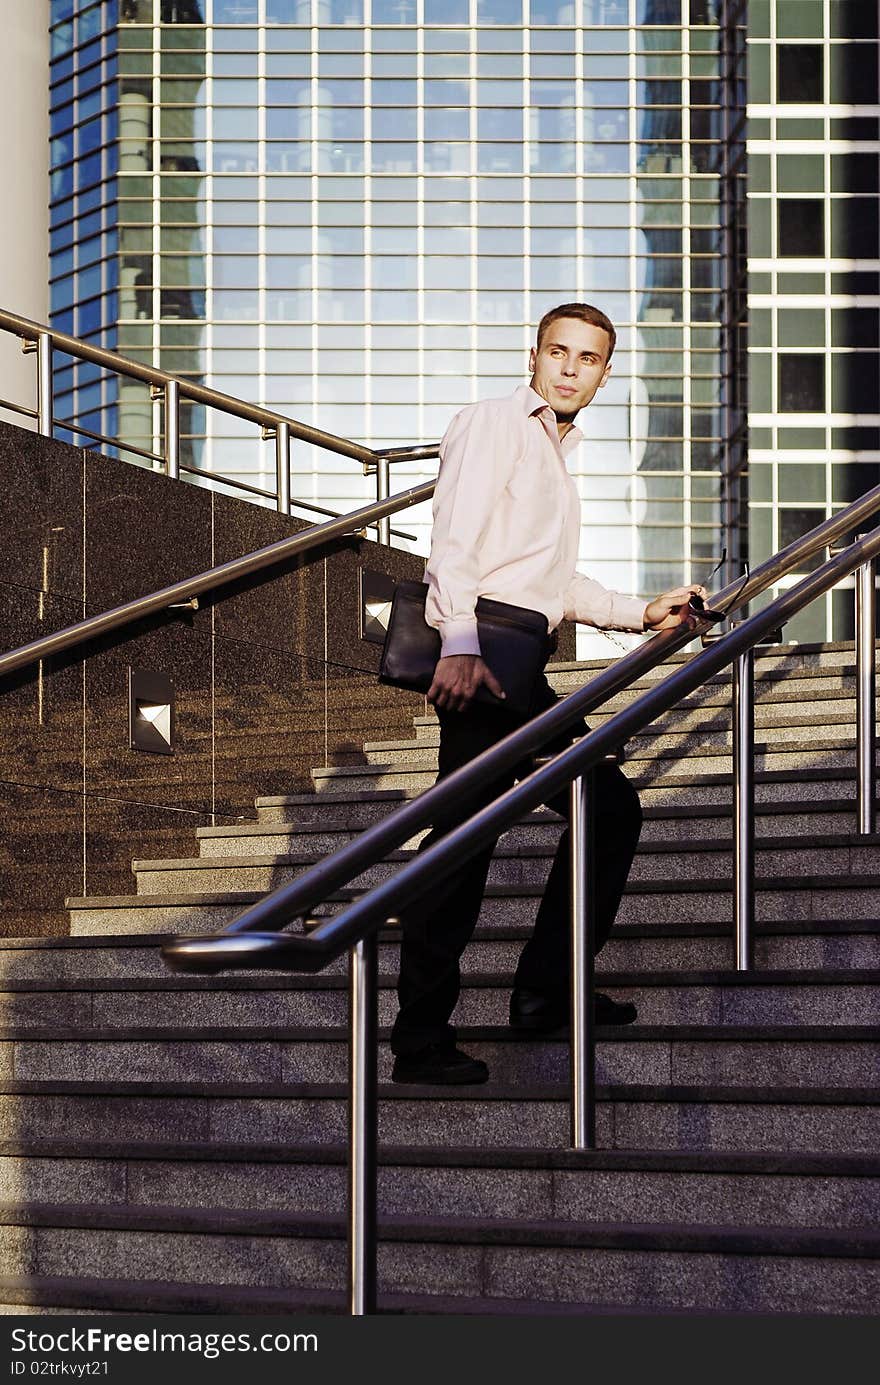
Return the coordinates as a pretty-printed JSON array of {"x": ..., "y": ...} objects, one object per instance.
[
  {"x": 669, "y": 901},
  {"x": 676, "y": 791},
  {"x": 48, "y": 1295},
  {"x": 796, "y": 1120},
  {"x": 829, "y": 753},
  {"x": 704, "y": 724},
  {"x": 776, "y": 661},
  {"x": 818, "y": 735},
  {"x": 808, "y": 689},
  {"x": 771, "y": 1055},
  {"x": 824, "y": 997},
  {"x": 781, "y": 659},
  {"x": 356, "y": 809},
  {"x": 516, "y": 862},
  {"x": 775, "y": 1269},
  {"x": 779, "y": 944},
  {"x": 660, "y": 823},
  {"x": 838, "y": 1192}
]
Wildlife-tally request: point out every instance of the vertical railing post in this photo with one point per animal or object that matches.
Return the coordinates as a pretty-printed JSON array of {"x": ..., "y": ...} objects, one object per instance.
[
  {"x": 282, "y": 467},
  {"x": 583, "y": 903},
  {"x": 744, "y": 806},
  {"x": 172, "y": 429},
  {"x": 45, "y": 391},
  {"x": 362, "y": 1120},
  {"x": 866, "y": 706},
  {"x": 383, "y": 490}
]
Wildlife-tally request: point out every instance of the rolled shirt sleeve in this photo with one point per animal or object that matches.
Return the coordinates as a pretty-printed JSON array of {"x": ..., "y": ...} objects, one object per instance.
[{"x": 587, "y": 601}]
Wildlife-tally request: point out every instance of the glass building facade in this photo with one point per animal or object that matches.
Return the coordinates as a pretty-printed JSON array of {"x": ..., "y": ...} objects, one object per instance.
[
  {"x": 84, "y": 233},
  {"x": 356, "y": 211},
  {"x": 814, "y": 275}
]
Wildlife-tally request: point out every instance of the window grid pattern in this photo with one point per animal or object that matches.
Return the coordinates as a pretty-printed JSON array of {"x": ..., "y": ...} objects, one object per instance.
[
  {"x": 83, "y": 250},
  {"x": 356, "y": 213},
  {"x": 814, "y": 276}
]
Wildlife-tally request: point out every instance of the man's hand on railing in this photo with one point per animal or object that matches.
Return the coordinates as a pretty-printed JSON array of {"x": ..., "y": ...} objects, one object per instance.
[
  {"x": 671, "y": 608},
  {"x": 456, "y": 680}
]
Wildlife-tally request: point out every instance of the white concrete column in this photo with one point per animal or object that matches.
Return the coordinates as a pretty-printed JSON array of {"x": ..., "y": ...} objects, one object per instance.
[{"x": 24, "y": 181}]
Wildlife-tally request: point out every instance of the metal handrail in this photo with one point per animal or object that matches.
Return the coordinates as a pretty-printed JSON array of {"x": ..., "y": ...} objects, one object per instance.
[
  {"x": 358, "y": 924},
  {"x": 200, "y": 394},
  {"x": 241, "y": 945},
  {"x": 114, "y": 442},
  {"x": 233, "y": 482},
  {"x": 43, "y": 340},
  {"x": 299, "y": 896},
  {"x": 210, "y": 580},
  {"x": 18, "y": 408}
]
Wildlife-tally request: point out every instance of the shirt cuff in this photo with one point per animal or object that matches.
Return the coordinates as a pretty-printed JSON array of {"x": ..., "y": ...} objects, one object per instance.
[
  {"x": 459, "y": 637},
  {"x": 628, "y": 612}
]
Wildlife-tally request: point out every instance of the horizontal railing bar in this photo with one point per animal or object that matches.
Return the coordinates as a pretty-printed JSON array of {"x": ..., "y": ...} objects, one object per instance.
[
  {"x": 330, "y": 939},
  {"x": 312, "y": 887},
  {"x": 417, "y": 453},
  {"x": 786, "y": 561},
  {"x": 102, "y": 437},
  {"x": 18, "y": 408},
  {"x": 200, "y": 394},
  {"x": 270, "y": 495},
  {"x": 229, "y": 481},
  {"x": 319, "y": 510},
  {"x": 214, "y": 577}
]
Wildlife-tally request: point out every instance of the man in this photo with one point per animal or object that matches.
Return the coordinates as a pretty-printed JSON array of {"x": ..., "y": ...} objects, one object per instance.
[{"x": 507, "y": 524}]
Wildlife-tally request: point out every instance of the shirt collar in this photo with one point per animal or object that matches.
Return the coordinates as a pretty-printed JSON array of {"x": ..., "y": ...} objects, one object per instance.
[{"x": 535, "y": 403}]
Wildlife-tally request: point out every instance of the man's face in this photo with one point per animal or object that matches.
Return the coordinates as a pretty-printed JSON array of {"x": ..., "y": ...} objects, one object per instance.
[{"x": 570, "y": 364}]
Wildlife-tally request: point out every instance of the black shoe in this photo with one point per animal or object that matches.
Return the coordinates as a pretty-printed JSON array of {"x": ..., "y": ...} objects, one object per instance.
[
  {"x": 610, "y": 1011},
  {"x": 440, "y": 1065},
  {"x": 534, "y": 1012}
]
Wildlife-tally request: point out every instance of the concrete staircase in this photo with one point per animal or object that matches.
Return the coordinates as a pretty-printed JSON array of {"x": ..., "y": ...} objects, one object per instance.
[{"x": 174, "y": 1143}]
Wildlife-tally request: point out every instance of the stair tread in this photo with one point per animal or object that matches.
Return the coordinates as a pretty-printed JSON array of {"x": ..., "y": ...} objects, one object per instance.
[
  {"x": 310, "y": 797},
  {"x": 476, "y": 1033},
  {"x": 482, "y": 1230},
  {"x": 670, "y": 885},
  {"x": 497, "y": 932},
  {"x": 804, "y": 774},
  {"x": 144, "y": 1296},
  {"x": 476, "y": 980},
  {"x": 426, "y": 1113},
  {"x": 331, "y": 1035},
  {"x": 158, "y": 1296},
  {"x": 777, "y": 841},
  {"x": 651, "y": 812},
  {"x": 778, "y": 1163},
  {"x": 665, "y": 724},
  {"x": 660, "y": 846},
  {"x": 774, "y": 747},
  {"x": 490, "y": 1092}
]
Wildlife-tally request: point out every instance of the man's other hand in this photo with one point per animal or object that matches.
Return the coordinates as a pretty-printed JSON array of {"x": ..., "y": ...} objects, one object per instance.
[
  {"x": 456, "y": 680},
  {"x": 671, "y": 608}
]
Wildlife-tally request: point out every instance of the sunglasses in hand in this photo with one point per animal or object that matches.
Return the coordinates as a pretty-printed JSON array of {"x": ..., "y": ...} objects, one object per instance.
[{"x": 697, "y": 606}]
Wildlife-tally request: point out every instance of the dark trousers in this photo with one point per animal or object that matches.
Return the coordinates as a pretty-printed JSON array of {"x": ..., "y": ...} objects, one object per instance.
[{"x": 437, "y": 930}]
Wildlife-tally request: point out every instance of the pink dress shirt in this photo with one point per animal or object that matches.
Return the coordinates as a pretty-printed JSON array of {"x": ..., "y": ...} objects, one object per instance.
[{"x": 507, "y": 521}]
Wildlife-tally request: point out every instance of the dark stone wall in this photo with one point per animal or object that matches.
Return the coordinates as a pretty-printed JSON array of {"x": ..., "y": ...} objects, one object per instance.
[{"x": 271, "y": 676}]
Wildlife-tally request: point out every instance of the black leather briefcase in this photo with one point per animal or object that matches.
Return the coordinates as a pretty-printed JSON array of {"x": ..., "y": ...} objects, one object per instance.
[{"x": 513, "y": 642}]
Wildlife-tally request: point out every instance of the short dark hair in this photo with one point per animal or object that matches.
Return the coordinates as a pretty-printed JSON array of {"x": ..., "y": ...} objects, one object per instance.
[{"x": 584, "y": 312}]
